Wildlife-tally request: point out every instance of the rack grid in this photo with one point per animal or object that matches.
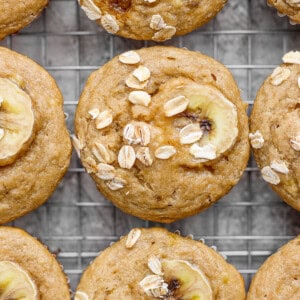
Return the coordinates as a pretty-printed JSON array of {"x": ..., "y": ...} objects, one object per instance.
[{"x": 248, "y": 224}]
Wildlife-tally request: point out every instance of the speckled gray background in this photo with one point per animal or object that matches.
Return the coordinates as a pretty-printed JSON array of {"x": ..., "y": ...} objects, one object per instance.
[{"x": 77, "y": 222}]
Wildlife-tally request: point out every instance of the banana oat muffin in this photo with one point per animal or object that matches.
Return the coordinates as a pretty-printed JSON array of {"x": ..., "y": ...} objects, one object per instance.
[
  {"x": 158, "y": 20},
  {"x": 275, "y": 129},
  {"x": 16, "y": 14},
  {"x": 35, "y": 147},
  {"x": 279, "y": 277},
  {"x": 28, "y": 270},
  {"x": 156, "y": 264},
  {"x": 163, "y": 132},
  {"x": 290, "y": 8}
]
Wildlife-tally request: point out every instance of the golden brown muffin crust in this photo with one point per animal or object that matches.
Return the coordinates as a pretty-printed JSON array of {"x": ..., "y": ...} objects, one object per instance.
[
  {"x": 279, "y": 276},
  {"x": 21, "y": 248},
  {"x": 291, "y": 8},
  {"x": 168, "y": 189},
  {"x": 17, "y": 14},
  {"x": 116, "y": 272},
  {"x": 31, "y": 179}
]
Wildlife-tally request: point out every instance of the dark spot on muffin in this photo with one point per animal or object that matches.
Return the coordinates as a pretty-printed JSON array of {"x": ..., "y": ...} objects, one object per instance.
[{"x": 120, "y": 5}]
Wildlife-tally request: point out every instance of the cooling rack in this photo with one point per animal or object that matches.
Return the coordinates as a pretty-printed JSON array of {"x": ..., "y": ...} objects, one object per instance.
[{"x": 248, "y": 224}]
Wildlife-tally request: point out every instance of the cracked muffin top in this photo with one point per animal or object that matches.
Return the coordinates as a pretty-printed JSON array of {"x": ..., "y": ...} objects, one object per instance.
[
  {"x": 163, "y": 132},
  {"x": 156, "y": 264},
  {"x": 279, "y": 276},
  {"x": 275, "y": 129},
  {"x": 290, "y": 8},
  {"x": 17, "y": 14},
  {"x": 35, "y": 146},
  {"x": 157, "y": 20}
]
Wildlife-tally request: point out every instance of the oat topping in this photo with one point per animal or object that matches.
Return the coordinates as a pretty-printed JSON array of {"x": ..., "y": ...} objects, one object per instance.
[
  {"x": 75, "y": 141},
  {"x": 151, "y": 282},
  {"x": 299, "y": 82},
  {"x": 293, "y": 3},
  {"x": 133, "y": 237},
  {"x": 207, "y": 151},
  {"x": 129, "y": 58},
  {"x": 110, "y": 24},
  {"x": 139, "y": 98},
  {"x": 144, "y": 156},
  {"x": 190, "y": 134},
  {"x": 270, "y": 176},
  {"x": 134, "y": 83},
  {"x": 176, "y": 106},
  {"x": 126, "y": 157},
  {"x": 2, "y": 135},
  {"x": 154, "y": 265},
  {"x": 105, "y": 171},
  {"x": 94, "y": 113},
  {"x": 116, "y": 183},
  {"x": 81, "y": 296},
  {"x": 150, "y": 1},
  {"x": 165, "y": 152},
  {"x": 279, "y": 166},
  {"x": 90, "y": 165},
  {"x": 138, "y": 133},
  {"x": 279, "y": 75},
  {"x": 292, "y": 57},
  {"x": 295, "y": 143},
  {"x": 256, "y": 139},
  {"x": 142, "y": 73},
  {"x": 104, "y": 119},
  {"x": 91, "y": 10},
  {"x": 157, "y": 22},
  {"x": 103, "y": 154},
  {"x": 164, "y": 34}
]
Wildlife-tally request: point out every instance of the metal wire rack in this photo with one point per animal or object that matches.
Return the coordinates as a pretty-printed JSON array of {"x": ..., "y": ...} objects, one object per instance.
[{"x": 248, "y": 224}]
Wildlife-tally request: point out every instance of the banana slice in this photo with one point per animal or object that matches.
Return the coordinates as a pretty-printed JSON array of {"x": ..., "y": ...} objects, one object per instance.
[
  {"x": 216, "y": 115},
  {"x": 15, "y": 283},
  {"x": 16, "y": 121},
  {"x": 185, "y": 281}
]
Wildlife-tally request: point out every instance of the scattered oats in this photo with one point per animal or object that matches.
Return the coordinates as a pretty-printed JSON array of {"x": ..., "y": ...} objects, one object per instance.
[
  {"x": 105, "y": 171},
  {"x": 140, "y": 98},
  {"x": 81, "y": 296},
  {"x": 144, "y": 133},
  {"x": 132, "y": 237},
  {"x": 176, "y": 106},
  {"x": 214, "y": 248},
  {"x": 2, "y": 135},
  {"x": 144, "y": 156},
  {"x": 279, "y": 166},
  {"x": 110, "y": 24},
  {"x": 104, "y": 153},
  {"x": 164, "y": 34},
  {"x": 116, "y": 184},
  {"x": 126, "y": 157},
  {"x": 138, "y": 133},
  {"x": 129, "y": 134},
  {"x": 256, "y": 139},
  {"x": 206, "y": 152},
  {"x": 279, "y": 75},
  {"x": 75, "y": 141},
  {"x": 294, "y": 3},
  {"x": 165, "y": 152},
  {"x": 129, "y": 58},
  {"x": 299, "y": 82},
  {"x": 292, "y": 57},
  {"x": 104, "y": 119},
  {"x": 91, "y": 10},
  {"x": 142, "y": 73},
  {"x": 295, "y": 143},
  {"x": 190, "y": 134},
  {"x": 270, "y": 176},
  {"x": 157, "y": 22},
  {"x": 90, "y": 165},
  {"x": 150, "y": 1},
  {"x": 94, "y": 113},
  {"x": 134, "y": 83},
  {"x": 154, "y": 265},
  {"x": 181, "y": 122},
  {"x": 161, "y": 291},
  {"x": 151, "y": 282}
]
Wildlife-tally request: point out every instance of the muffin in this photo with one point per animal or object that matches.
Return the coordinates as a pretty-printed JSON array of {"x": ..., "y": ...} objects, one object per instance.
[
  {"x": 275, "y": 129},
  {"x": 290, "y": 8},
  {"x": 156, "y": 20},
  {"x": 17, "y": 14},
  {"x": 279, "y": 277},
  {"x": 156, "y": 264},
  {"x": 163, "y": 132},
  {"x": 35, "y": 146},
  {"x": 28, "y": 270}
]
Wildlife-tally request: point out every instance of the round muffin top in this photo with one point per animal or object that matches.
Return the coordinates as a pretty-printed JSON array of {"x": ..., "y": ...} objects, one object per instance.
[
  {"x": 156, "y": 264},
  {"x": 279, "y": 276},
  {"x": 291, "y": 8},
  {"x": 28, "y": 270},
  {"x": 35, "y": 147},
  {"x": 275, "y": 129},
  {"x": 17, "y": 14},
  {"x": 163, "y": 132},
  {"x": 158, "y": 20}
]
